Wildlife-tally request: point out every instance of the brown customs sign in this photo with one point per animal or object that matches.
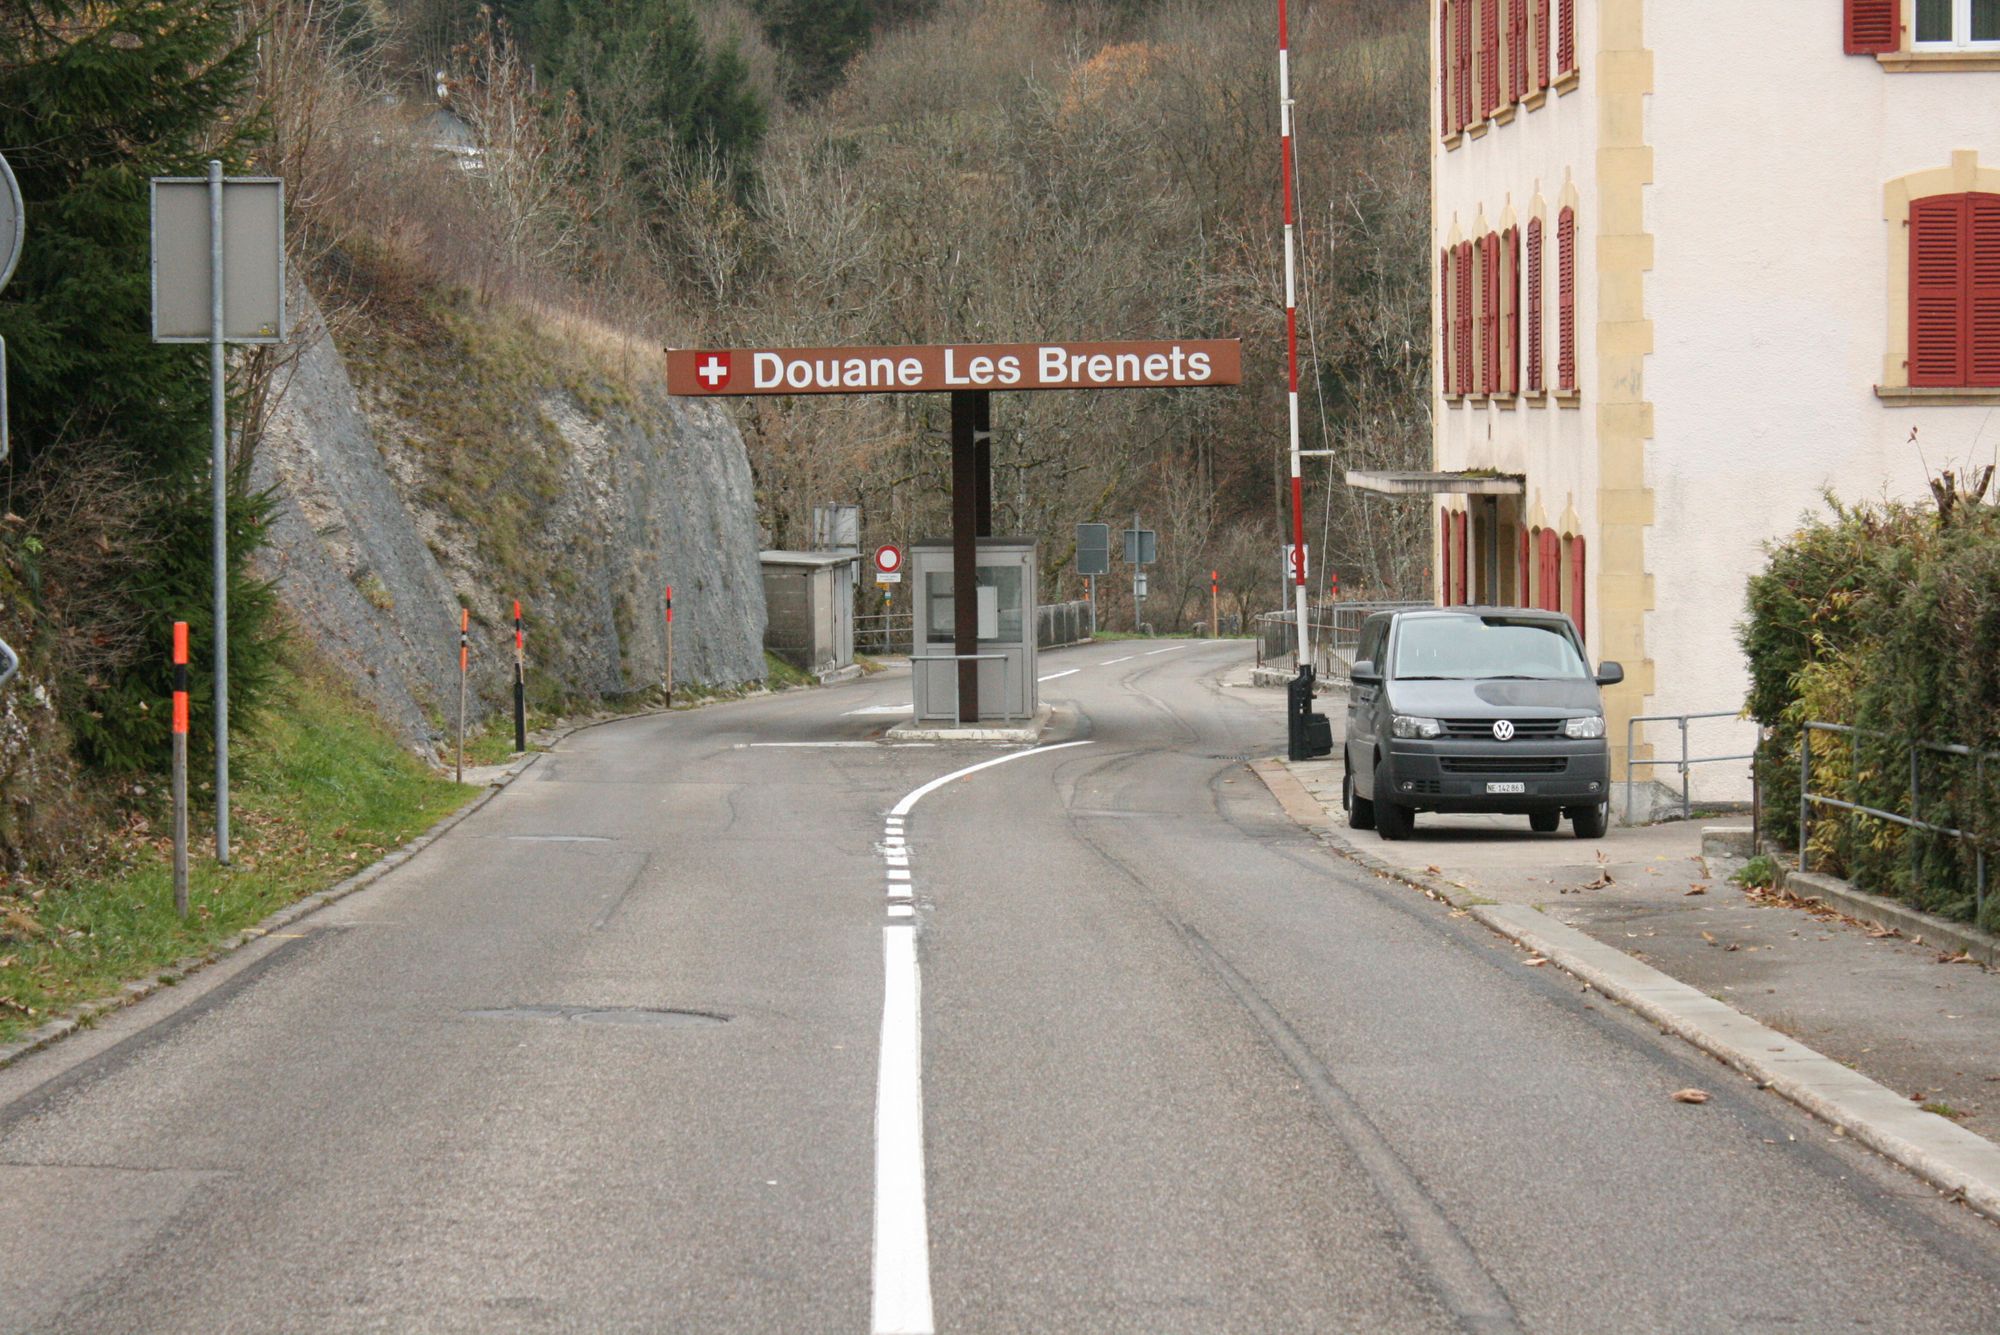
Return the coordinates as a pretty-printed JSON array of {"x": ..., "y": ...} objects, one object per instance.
[{"x": 1180, "y": 363}]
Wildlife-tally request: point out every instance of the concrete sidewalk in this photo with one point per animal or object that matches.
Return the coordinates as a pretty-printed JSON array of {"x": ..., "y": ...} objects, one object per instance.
[{"x": 1878, "y": 1004}]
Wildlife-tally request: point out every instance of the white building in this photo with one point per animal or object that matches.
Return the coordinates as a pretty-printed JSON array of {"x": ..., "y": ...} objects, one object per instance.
[{"x": 1697, "y": 263}]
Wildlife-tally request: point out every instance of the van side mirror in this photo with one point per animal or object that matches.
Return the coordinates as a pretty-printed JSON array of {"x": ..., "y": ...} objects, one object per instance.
[
  {"x": 1609, "y": 673},
  {"x": 1363, "y": 673}
]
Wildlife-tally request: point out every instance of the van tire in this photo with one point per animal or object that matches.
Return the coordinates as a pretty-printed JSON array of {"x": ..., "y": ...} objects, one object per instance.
[
  {"x": 1545, "y": 822},
  {"x": 1394, "y": 821},
  {"x": 1360, "y": 811},
  {"x": 1590, "y": 822}
]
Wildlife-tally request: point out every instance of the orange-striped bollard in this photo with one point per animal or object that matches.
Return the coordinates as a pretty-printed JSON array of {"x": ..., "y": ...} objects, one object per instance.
[
  {"x": 181, "y": 768},
  {"x": 670, "y": 646},
  {"x": 520, "y": 683},
  {"x": 464, "y": 657}
]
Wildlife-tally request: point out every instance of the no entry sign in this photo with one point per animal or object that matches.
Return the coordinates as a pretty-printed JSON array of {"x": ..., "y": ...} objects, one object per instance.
[
  {"x": 888, "y": 564},
  {"x": 1179, "y": 363}
]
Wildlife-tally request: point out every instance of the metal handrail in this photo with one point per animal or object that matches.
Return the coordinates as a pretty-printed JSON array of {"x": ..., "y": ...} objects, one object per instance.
[
  {"x": 1687, "y": 783},
  {"x": 957, "y": 704},
  {"x": 1807, "y": 798}
]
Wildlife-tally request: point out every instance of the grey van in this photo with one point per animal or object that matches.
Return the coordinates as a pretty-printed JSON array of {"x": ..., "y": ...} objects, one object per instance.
[{"x": 1490, "y": 709}]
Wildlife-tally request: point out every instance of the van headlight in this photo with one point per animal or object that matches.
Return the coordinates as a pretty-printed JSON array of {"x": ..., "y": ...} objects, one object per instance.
[
  {"x": 1584, "y": 729},
  {"x": 1403, "y": 725}
]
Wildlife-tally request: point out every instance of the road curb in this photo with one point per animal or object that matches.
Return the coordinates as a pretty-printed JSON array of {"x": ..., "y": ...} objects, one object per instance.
[
  {"x": 1964, "y": 1166},
  {"x": 90, "y": 1012},
  {"x": 1914, "y": 923}
]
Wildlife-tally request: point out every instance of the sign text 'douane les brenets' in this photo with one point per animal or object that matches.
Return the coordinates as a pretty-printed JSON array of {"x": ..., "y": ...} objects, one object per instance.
[{"x": 1166, "y": 364}]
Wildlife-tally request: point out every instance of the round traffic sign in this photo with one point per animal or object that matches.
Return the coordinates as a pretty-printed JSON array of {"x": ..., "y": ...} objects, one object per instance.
[
  {"x": 888, "y": 558},
  {"x": 13, "y": 222}
]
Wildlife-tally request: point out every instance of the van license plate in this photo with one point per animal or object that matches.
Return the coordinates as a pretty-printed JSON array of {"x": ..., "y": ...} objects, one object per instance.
[{"x": 1506, "y": 787}]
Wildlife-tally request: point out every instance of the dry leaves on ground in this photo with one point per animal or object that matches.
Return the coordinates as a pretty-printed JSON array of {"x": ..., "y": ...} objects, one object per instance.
[
  {"x": 1697, "y": 890},
  {"x": 1690, "y": 1096}
]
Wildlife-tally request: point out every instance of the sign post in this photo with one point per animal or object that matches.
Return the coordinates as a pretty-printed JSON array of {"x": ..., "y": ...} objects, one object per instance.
[
  {"x": 1214, "y": 602},
  {"x": 13, "y": 231},
  {"x": 1142, "y": 548},
  {"x": 219, "y": 278},
  {"x": 464, "y": 660},
  {"x": 670, "y": 646}
]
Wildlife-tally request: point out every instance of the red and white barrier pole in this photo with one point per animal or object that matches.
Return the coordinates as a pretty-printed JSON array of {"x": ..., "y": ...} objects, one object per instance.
[
  {"x": 670, "y": 646},
  {"x": 181, "y": 768},
  {"x": 520, "y": 683},
  {"x": 1214, "y": 602},
  {"x": 1292, "y": 340},
  {"x": 464, "y": 660}
]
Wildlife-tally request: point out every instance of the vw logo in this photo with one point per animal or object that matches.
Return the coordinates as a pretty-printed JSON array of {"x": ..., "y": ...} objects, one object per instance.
[{"x": 1503, "y": 731}]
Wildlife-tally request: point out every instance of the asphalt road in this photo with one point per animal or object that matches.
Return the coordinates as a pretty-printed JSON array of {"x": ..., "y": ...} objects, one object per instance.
[{"x": 1173, "y": 1065}]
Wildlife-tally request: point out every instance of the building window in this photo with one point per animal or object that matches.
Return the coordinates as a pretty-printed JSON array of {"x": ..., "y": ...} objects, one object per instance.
[
  {"x": 1510, "y": 312},
  {"x": 1956, "y": 25},
  {"x": 1566, "y": 36},
  {"x": 1566, "y": 301},
  {"x": 1446, "y": 385},
  {"x": 1534, "y": 325},
  {"x": 1444, "y": 555},
  {"x": 1548, "y": 570},
  {"x": 1955, "y": 291},
  {"x": 1489, "y": 56},
  {"x": 1461, "y": 587},
  {"x": 1445, "y": 125}
]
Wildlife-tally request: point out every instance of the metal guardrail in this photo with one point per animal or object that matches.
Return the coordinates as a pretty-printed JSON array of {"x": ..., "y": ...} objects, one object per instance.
[
  {"x": 1808, "y": 798},
  {"x": 1336, "y": 634},
  {"x": 1058, "y": 624},
  {"x": 1683, "y": 764},
  {"x": 957, "y": 704},
  {"x": 882, "y": 633}
]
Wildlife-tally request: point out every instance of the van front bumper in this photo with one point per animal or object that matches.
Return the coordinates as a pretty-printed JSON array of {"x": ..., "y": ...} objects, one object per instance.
[{"x": 1458, "y": 775}]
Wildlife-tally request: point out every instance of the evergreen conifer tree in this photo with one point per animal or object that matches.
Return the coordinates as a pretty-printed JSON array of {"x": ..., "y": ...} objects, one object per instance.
[{"x": 95, "y": 98}]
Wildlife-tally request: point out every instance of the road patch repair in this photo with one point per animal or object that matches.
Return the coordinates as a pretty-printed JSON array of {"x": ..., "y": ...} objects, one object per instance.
[{"x": 1923, "y": 1137}]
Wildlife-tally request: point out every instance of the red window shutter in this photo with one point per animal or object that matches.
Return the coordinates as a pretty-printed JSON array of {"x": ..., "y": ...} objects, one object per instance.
[
  {"x": 1444, "y": 321},
  {"x": 1983, "y": 294},
  {"x": 1577, "y": 584},
  {"x": 1873, "y": 26},
  {"x": 1489, "y": 56},
  {"x": 1517, "y": 50},
  {"x": 1521, "y": 588},
  {"x": 1444, "y": 555},
  {"x": 1550, "y": 574},
  {"x": 1541, "y": 43},
  {"x": 1566, "y": 35},
  {"x": 1938, "y": 306},
  {"x": 1445, "y": 66},
  {"x": 1465, "y": 317},
  {"x": 1510, "y": 312},
  {"x": 1534, "y": 330},
  {"x": 1465, "y": 113},
  {"x": 1459, "y": 583},
  {"x": 1566, "y": 300},
  {"x": 1489, "y": 314}
]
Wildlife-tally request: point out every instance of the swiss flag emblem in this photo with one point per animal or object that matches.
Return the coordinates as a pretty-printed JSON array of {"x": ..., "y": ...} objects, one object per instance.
[{"x": 712, "y": 370}]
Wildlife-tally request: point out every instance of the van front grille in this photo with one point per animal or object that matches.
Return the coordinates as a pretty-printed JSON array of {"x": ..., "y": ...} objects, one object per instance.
[{"x": 1503, "y": 764}]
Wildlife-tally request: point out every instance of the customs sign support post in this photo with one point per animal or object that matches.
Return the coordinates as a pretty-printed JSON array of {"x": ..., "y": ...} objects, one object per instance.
[
  {"x": 970, "y": 373},
  {"x": 219, "y": 278}
]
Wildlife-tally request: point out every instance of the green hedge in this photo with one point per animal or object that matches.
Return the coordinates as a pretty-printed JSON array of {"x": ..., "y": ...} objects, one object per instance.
[{"x": 1885, "y": 617}]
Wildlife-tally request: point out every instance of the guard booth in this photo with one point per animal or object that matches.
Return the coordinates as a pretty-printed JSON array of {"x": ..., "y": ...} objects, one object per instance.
[{"x": 1005, "y": 651}]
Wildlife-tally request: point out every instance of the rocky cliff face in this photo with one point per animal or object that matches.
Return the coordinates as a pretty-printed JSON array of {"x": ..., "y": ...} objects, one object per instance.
[{"x": 452, "y": 475}]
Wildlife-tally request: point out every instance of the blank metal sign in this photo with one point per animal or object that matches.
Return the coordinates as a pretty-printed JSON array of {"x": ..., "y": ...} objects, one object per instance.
[
  {"x": 253, "y": 249},
  {"x": 1093, "y": 549}
]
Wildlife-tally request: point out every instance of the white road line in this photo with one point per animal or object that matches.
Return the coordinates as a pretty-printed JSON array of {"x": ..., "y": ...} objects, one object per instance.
[
  {"x": 1053, "y": 675},
  {"x": 902, "y": 1270},
  {"x": 822, "y": 745},
  {"x": 902, "y": 1289},
  {"x": 1126, "y": 659},
  {"x": 878, "y": 709},
  {"x": 1169, "y": 649}
]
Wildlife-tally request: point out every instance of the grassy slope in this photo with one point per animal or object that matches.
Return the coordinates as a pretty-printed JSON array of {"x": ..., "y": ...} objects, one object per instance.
[{"x": 319, "y": 789}]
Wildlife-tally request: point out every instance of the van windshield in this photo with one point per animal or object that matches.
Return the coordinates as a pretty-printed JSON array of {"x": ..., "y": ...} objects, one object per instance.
[{"x": 1471, "y": 648}]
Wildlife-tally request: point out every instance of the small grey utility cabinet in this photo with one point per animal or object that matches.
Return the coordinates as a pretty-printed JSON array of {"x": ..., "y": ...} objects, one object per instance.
[{"x": 1006, "y": 574}]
